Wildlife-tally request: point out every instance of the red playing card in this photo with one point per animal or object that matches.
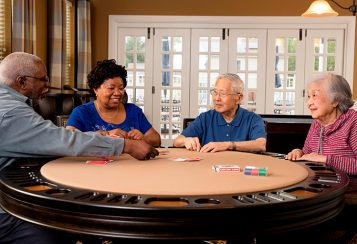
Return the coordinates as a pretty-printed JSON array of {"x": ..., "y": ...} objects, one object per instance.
[{"x": 97, "y": 162}]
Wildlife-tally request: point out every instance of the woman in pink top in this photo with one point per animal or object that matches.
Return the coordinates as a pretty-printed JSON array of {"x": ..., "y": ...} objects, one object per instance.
[{"x": 332, "y": 138}]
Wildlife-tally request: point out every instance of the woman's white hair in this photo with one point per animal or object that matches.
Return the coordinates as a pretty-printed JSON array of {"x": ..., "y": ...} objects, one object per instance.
[{"x": 337, "y": 89}]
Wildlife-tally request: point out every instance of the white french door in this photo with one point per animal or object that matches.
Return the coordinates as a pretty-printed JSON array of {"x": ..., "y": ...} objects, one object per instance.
[
  {"x": 134, "y": 50},
  {"x": 209, "y": 51},
  {"x": 173, "y": 61},
  {"x": 247, "y": 58},
  {"x": 285, "y": 72},
  {"x": 324, "y": 53},
  {"x": 171, "y": 82}
]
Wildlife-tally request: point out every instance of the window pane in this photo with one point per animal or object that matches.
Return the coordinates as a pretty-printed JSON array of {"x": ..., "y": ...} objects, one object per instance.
[
  {"x": 215, "y": 44},
  {"x": 252, "y": 64},
  {"x": 213, "y": 77},
  {"x": 318, "y": 45},
  {"x": 202, "y": 97},
  {"x": 166, "y": 44},
  {"x": 140, "y": 43},
  {"x": 140, "y": 78},
  {"x": 292, "y": 42},
  {"x": 331, "y": 63},
  {"x": 279, "y": 45},
  {"x": 319, "y": 64},
  {"x": 176, "y": 96},
  {"x": 130, "y": 93},
  {"x": 176, "y": 129},
  {"x": 241, "y": 64},
  {"x": 139, "y": 95},
  {"x": 331, "y": 46},
  {"x": 278, "y": 98},
  {"x": 241, "y": 44},
  {"x": 253, "y": 45},
  {"x": 203, "y": 44},
  {"x": 290, "y": 99},
  {"x": 165, "y": 96},
  {"x": 165, "y": 117},
  {"x": 129, "y": 43},
  {"x": 177, "y": 79},
  {"x": 177, "y": 61},
  {"x": 130, "y": 79},
  {"x": 140, "y": 61},
  {"x": 252, "y": 81},
  {"x": 177, "y": 44},
  {"x": 242, "y": 76},
  {"x": 292, "y": 63},
  {"x": 279, "y": 63},
  {"x": 202, "y": 79},
  {"x": 176, "y": 117},
  {"x": 291, "y": 81},
  {"x": 129, "y": 61},
  {"x": 203, "y": 62},
  {"x": 164, "y": 129},
  {"x": 165, "y": 78},
  {"x": 279, "y": 78},
  {"x": 165, "y": 61},
  {"x": 215, "y": 62},
  {"x": 251, "y": 100}
]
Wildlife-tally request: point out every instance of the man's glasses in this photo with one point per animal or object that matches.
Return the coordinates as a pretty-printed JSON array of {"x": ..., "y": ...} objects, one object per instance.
[
  {"x": 45, "y": 79},
  {"x": 215, "y": 93}
]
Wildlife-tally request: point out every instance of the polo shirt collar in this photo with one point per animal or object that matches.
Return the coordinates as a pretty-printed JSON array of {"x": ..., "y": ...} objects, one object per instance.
[{"x": 235, "y": 122}]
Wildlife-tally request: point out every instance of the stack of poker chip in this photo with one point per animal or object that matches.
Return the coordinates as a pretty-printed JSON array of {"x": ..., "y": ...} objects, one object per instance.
[{"x": 258, "y": 171}]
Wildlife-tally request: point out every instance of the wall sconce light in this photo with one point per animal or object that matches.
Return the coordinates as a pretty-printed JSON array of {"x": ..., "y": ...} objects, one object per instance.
[{"x": 321, "y": 8}]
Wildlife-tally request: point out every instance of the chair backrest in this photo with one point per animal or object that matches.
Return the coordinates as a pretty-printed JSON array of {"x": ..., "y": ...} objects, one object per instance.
[
  {"x": 61, "y": 120},
  {"x": 286, "y": 132},
  {"x": 186, "y": 122}
]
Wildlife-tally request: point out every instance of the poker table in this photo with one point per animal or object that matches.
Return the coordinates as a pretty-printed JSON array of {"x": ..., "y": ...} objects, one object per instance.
[{"x": 175, "y": 196}]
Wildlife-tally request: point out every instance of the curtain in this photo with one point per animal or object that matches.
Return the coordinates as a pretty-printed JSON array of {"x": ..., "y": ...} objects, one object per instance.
[
  {"x": 56, "y": 43},
  {"x": 83, "y": 42},
  {"x": 23, "y": 26},
  {"x": 5, "y": 28}
]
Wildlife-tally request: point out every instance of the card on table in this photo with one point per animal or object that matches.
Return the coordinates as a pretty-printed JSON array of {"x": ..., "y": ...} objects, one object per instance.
[
  {"x": 97, "y": 161},
  {"x": 191, "y": 159}
]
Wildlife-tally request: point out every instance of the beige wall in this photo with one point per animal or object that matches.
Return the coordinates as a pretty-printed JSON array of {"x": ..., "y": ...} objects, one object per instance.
[{"x": 101, "y": 9}]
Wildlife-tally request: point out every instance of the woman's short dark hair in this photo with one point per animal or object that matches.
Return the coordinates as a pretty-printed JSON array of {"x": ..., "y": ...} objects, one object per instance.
[{"x": 104, "y": 70}]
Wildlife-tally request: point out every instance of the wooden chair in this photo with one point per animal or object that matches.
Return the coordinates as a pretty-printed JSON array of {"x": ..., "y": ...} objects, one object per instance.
[{"x": 186, "y": 122}]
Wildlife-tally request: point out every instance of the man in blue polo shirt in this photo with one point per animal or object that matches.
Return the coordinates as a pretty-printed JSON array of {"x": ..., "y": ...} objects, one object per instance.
[{"x": 227, "y": 126}]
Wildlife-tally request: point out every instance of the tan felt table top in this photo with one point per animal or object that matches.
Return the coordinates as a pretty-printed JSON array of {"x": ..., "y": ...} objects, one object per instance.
[{"x": 163, "y": 176}]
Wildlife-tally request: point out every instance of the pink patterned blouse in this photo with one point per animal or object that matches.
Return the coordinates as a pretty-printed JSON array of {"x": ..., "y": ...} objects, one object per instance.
[{"x": 337, "y": 141}]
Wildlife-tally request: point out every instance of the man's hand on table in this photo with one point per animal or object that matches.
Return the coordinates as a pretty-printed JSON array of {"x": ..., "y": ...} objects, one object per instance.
[{"x": 139, "y": 149}]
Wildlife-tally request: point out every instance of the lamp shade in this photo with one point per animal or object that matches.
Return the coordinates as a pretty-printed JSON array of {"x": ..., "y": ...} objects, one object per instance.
[{"x": 320, "y": 8}]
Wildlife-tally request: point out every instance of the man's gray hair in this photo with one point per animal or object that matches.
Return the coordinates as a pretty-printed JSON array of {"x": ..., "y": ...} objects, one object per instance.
[
  {"x": 18, "y": 64},
  {"x": 338, "y": 90},
  {"x": 236, "y": 81}
]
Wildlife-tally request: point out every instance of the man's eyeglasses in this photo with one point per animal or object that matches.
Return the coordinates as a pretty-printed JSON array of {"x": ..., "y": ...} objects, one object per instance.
[
  {"x": 215, "y": 93},
  {"x": 45, "y": 79}
]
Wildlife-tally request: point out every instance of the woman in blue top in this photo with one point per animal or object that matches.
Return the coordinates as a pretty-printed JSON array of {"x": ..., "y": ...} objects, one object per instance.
[
  {"x": 107, "y": 114},
  {"x": 227, "y": 126}
]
